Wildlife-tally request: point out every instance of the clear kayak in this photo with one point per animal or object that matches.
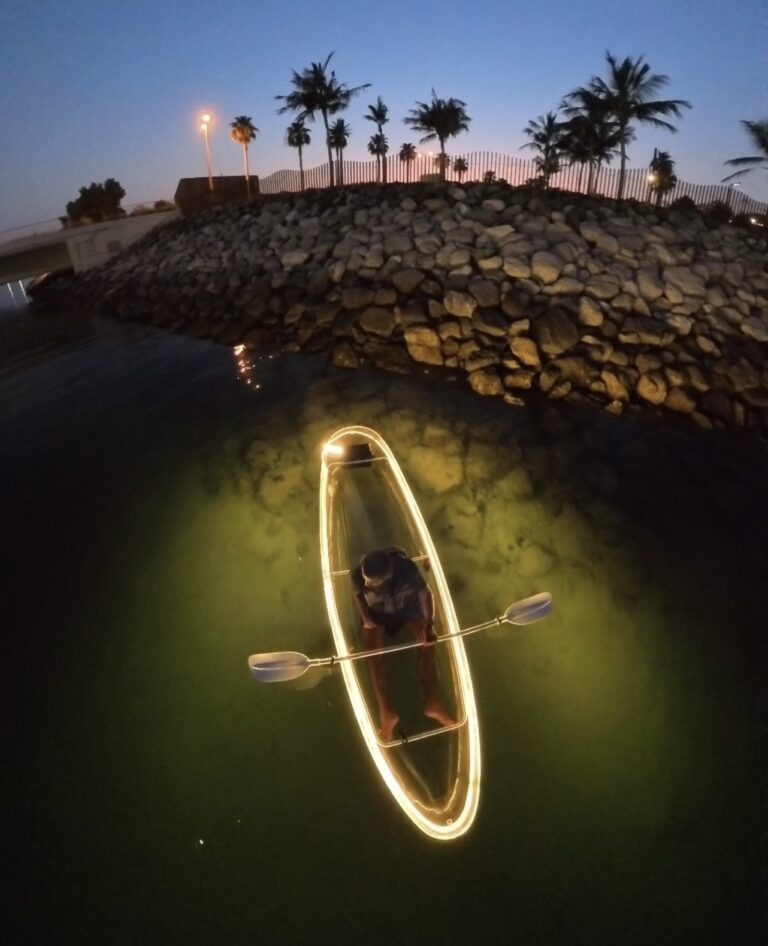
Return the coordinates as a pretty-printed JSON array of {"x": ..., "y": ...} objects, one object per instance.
[{"x": 432, "y": 770}]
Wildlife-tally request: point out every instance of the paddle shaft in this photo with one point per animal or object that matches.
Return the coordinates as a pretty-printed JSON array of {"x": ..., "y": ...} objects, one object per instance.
[{"x": 411, "y": 645}]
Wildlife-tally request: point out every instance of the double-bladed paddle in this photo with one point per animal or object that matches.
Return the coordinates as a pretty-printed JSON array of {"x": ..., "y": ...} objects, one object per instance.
[{"x": 288, "y": 664}]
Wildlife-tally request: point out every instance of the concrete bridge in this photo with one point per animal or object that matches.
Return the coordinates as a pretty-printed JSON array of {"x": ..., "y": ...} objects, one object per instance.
[{"x": 77, "y": 248}]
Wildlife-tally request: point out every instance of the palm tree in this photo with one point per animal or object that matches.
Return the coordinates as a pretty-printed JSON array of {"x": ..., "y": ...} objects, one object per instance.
[
  {"x": 338, "y": 139},
  {"x": 489, "y": 177},
  {"x": 590, "y": 136},
  {"x": 317, "y": 90},
  {"x": 627, "y": 96},
  {"x": 758, "y": 132},
  {"x": 378, "y": 114},
  {"x": 443, "y": 164},
  {"x": 379, "y": 146},
  {"x": 244, "y": 132},
  {"x": 298, "y": 137},
  {"x": 461, "y": 167},
  {"x": 662, "y": 177},
  {"x": 407, "y": 155},
  {"x": 441, "y": 119},
  {"x": 546, "y": 133}
]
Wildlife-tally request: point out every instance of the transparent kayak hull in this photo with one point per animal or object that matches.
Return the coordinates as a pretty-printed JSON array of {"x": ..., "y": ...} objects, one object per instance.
[{"x": 432, "y": 771}]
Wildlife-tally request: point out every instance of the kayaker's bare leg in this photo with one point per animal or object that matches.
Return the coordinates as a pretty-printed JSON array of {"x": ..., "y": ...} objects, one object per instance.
[
  {"x": 374, "y": 639},
  {"x": 433, "y": 708}
]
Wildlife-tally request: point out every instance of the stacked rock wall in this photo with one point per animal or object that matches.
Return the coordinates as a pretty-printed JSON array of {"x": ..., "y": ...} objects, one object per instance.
[{"x": 581, "y": 298}]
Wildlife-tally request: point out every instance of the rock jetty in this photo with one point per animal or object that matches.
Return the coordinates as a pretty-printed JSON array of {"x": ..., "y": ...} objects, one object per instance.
[{"x": 518, "y": 290}]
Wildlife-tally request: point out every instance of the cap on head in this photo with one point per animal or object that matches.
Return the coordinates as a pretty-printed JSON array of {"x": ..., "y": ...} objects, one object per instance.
[{"x": 376, "y": 566}]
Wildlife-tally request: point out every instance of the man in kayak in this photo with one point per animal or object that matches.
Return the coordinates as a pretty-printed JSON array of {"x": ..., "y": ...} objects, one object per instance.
[{"x": 390, "y": 593}]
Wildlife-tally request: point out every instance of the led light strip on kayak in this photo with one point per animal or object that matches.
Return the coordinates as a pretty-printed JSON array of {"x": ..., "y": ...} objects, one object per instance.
[{"x": 463, "y": 821}]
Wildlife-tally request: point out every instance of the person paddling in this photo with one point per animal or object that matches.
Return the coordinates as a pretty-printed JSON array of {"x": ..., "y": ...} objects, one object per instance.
[{"x": 391, "y": 593}]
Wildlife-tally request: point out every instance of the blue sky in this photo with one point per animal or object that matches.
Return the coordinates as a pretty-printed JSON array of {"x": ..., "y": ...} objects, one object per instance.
[{"x": 91, "y": 90}]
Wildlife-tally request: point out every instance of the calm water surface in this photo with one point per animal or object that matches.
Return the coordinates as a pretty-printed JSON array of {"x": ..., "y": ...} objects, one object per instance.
[{"x": 160, "y": 524}]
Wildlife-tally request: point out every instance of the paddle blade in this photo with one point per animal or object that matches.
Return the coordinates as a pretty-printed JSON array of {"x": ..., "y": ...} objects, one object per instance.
[
  {"x": 277, "y": 667},
  {"x": 530, "y": 609}
]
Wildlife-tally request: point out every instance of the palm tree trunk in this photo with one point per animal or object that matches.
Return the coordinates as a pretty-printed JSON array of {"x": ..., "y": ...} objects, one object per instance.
[
  {"x": 622, "y": 171},
  {"x": 442, "y": 160},
  {"x": 378, "y": 168},
  {"x": 301, "y": 167},
  {"x": 580, "y": 178},
  {"x": 247, "y": 172},
  {"x": 330, "y": 150},
  {"x": 340, "y": 174},
  {"x": 591, "y": 178},
  {"x": 383, "y": 169}
]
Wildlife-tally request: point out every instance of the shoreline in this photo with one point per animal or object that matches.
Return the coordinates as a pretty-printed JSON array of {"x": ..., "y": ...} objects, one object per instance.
[{"x": 517, "y": 290}]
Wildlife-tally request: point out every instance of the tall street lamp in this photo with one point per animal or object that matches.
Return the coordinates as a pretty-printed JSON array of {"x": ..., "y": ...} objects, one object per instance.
[{"x": 205, "y": 121}]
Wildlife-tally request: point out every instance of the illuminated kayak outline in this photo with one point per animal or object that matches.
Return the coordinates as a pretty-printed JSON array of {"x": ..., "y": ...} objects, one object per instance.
[{"x": 433, "y": 821}]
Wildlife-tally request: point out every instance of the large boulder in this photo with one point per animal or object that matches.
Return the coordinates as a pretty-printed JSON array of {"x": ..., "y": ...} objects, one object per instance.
[
  {"x": 460, "y": 304},
  {"x": 423, "y": 344},
  {"x": 680, "y": 400},
  {"x": 574, "y": 370},
  {"x": 356, "y": 297},
  {"x": 525, "y": 350},
  {"x": 485, "y": 292},
  {"x": 546, "y": 267},
  {"x": 755, "y": 328},
  {"x": 649, "y": 284},
  {"x": 406, "y": 280},
  {"x": 652, "y": 388},
  {"x": 555, "y": 332},
  {"x": 395, "y": 244},
  {"x": 486, "y": 382},
  {"x": 590, "y": 313},
  {"x": 490, "y": 322},
  {"x": 685, "y": 281},
  {"x": 517, "y": 267},
  {"x": 592, "y": 233},
  {"x": 377, "y": 320},
  {"x": 616, "y": 386},
  {"x": 602, "y": 286},
  {"x": 638, "y": 330}
]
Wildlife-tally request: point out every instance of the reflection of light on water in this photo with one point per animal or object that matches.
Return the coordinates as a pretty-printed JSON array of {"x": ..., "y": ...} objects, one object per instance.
[{"x": 245, "y": 367}]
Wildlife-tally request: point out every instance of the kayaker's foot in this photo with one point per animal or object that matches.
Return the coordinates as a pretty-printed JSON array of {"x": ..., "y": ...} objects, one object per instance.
[
  {"x": 387, "y": 729},
  {"x": 439, "y": 713}
]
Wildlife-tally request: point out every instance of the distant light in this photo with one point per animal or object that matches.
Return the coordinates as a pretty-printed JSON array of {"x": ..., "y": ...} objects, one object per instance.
[
  {"x": 200, "y": 841},
  {"x": 753, "y": 219},
  {"x": 333, "y": 450},
  {"x": 206, "y": 118}
]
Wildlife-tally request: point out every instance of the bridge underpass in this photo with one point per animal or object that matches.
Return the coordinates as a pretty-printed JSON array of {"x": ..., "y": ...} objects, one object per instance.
[
  {"x": 77, "y": 248},
  {"x": 31, "y": 261}
]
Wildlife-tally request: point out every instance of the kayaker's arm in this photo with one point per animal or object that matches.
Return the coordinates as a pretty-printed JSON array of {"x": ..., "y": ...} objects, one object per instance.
[{"x": 365, "y": 613}]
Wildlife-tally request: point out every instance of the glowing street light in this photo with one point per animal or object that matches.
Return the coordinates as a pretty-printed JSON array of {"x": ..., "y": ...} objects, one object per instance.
[{"x": 205, "y": 121}]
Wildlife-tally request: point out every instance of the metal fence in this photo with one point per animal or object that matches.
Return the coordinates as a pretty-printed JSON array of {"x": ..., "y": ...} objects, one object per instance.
[{"x": 515, "y": 171}]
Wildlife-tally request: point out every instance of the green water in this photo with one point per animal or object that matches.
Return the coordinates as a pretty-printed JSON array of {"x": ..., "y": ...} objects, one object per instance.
[{"x": 160, "y": 524}]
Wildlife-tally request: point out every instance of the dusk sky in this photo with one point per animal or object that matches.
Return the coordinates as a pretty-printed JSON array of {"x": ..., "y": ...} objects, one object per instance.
[{"x": 93, "y": 89}]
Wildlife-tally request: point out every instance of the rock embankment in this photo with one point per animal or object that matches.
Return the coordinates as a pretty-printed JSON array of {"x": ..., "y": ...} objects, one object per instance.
[{"x": 618, "y": 304}]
